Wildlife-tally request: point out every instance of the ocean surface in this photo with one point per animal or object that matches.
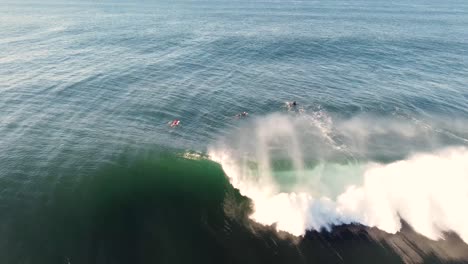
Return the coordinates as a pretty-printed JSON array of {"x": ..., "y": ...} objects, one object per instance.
[{"x": 370, "y": 166}]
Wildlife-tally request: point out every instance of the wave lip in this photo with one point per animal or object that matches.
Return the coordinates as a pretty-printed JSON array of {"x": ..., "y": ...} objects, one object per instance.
[{"x": 425, "y": 190}]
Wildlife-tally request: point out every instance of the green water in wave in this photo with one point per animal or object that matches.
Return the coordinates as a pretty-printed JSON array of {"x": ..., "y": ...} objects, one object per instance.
[
  {"x": 155, "y": 208},
  {"x": 152, "y": 208}
]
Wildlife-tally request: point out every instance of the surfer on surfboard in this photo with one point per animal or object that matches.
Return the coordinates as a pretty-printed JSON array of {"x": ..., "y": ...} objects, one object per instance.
[{"x": 175, "y": 123}]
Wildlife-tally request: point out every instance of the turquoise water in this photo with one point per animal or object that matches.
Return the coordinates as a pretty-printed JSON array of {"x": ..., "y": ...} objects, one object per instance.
[{"x": 87, "y": 90}]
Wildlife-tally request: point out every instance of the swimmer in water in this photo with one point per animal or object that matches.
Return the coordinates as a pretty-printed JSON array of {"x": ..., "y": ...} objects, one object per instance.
[{"x": 243, "y": 114}]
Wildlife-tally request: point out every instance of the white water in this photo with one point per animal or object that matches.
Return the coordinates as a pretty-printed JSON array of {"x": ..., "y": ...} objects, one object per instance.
[{"x": 428, "y": 190}]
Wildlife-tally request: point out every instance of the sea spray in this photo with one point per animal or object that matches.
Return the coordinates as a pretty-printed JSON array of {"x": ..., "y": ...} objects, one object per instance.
[{"x": 424, "y": 189}]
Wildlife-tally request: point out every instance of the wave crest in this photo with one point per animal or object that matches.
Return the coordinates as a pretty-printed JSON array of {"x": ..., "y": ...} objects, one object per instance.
[{"x": 298, "y": 188}]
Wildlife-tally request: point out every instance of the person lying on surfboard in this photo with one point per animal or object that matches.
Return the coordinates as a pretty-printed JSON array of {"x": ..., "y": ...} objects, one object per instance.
[{"x": 175, "y": 123}]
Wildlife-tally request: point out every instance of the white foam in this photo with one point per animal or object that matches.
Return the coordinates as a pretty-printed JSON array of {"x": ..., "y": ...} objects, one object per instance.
[{"x": 427, "y": 190}]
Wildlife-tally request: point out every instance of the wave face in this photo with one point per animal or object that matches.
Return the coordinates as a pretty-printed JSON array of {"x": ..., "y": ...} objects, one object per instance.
[
  {"x": 143, "y": 208},
  {"x": 178, "y": 207},
  {"x": 310, "y": 171},
  {"x": 169, "y": 207}
]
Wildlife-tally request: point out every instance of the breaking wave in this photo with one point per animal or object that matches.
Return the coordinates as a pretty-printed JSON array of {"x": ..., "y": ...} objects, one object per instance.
[{"x": 312, "y": 172}]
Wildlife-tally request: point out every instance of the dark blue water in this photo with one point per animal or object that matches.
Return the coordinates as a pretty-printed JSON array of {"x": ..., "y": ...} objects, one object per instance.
[{"x": 84, "y": 83}]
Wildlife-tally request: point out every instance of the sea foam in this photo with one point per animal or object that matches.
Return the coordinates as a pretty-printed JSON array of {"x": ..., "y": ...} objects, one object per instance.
[{"x": 426, "y": 189}]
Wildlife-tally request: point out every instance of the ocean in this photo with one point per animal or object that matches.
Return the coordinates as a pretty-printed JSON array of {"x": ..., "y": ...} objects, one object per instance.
[{"x": 370, "y": 166}]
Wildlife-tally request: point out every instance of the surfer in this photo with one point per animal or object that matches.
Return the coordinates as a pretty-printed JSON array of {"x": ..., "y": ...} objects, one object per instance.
[
  {"x": 292, "y": 104},
  {"x": 175, "y": 123},
  {"x": 243, "y": 114}
]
